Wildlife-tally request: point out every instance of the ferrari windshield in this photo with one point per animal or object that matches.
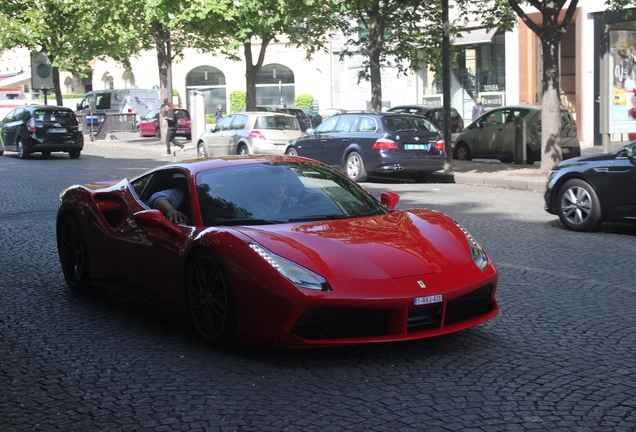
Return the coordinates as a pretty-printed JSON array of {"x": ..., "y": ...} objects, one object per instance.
[{"x": 279, "y": 193}]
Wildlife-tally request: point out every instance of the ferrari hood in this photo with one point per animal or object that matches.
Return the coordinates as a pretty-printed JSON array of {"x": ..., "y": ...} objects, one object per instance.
[{"x": 400, "y": 244}]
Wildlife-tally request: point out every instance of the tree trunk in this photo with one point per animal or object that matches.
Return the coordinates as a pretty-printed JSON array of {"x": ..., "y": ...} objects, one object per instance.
[
  {"x": 56, "y": 86},
  {"x": 550, "y": 103},
  {"x": 252, "y": 70},
  {"x": 376, "y": 45},
  {"x": 164, "y": 60}
]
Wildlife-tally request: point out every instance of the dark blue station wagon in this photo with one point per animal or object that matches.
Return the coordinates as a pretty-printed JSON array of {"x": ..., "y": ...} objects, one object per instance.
[{"x": 369, "y": 142}]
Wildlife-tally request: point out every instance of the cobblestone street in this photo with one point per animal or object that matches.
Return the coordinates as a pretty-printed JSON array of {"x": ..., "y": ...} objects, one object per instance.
[{"x": 559, "y": 357}]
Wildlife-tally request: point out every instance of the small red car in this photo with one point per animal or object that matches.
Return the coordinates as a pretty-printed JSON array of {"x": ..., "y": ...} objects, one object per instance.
[
  {"x": 148, "y": 125},
  {"x": 277, "y": 250}
]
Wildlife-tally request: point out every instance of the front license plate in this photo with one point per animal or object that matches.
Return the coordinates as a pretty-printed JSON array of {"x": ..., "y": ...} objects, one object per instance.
[
  {"x": 58, "y": 130},
  {"x": 415, "y": 146},
  {"x": 418, "y": 301}
]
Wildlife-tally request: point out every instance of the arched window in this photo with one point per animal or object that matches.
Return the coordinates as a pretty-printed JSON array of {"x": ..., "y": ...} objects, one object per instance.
[
  {"x": 69, "y": 85},
  {"x": 211, "y": 82},
  {"x": 107, "y": 81},
  {"x": 275, "y": 85},
  {"x": 129, "y": 79}
]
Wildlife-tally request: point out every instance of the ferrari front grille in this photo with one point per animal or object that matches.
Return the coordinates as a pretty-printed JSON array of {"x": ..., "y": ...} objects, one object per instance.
[
  {"x": 471, "y": 305},
  {"x": 340, "y": 323}
]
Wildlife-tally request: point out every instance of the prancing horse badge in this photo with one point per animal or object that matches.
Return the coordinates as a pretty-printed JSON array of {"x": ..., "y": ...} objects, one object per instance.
[{"x": 421, "y": 284}]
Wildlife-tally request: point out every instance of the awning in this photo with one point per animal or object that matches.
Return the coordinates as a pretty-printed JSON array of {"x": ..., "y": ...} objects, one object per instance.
[
  {"x": 16, "y": 80},
  {"x": 475, "y": 36}
]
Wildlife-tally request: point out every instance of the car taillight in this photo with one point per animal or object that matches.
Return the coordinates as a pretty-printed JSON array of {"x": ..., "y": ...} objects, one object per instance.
[
  {"x": 384, "y": 143},
  {"x": 574, "y": 127},
  {"x": 539, "y": 125},
  {"x": 79, "y": 125},
  {"x": 256, "y": 134},
  {"x": 31, "y": 125},
  {"x": 461, "y": 124},
  {"x": 440, "y": 146}
]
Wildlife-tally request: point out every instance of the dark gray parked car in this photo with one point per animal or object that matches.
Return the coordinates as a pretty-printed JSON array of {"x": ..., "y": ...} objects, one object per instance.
[
  {"x": 364, "y": 142},
  {"x": 491, "y": 136},
  {"x": 434, "y": 114}
]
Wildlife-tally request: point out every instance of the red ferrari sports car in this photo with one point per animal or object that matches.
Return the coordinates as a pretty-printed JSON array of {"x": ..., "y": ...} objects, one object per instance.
[{"x": 277, "y": 250}]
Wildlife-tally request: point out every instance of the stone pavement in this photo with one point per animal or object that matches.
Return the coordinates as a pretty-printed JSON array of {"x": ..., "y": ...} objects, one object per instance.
[{"x": 478, "y": 172}]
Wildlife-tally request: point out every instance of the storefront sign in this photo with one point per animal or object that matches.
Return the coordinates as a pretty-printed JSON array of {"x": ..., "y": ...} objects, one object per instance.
[
  {"x": 432, "y": 100},
  {"x": 493, "y": 99}
]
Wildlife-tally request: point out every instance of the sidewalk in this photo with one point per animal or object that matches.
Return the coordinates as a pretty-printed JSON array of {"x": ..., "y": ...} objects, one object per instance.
[{"x": 477, "y": 172}]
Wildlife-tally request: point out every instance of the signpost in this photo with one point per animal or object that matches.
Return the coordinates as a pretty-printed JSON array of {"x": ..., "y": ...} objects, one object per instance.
[{"x": 41, "y": 74}]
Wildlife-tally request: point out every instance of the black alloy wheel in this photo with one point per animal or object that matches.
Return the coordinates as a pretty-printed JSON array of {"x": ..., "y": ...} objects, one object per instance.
[
  {"x": 73, "y": 254},
  {"x": 210, "y": 300}
]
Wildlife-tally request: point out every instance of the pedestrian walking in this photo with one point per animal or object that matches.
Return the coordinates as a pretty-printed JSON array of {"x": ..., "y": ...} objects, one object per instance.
[
  {"x": 478, "y": 108},
  {"x": 219, "y": 113},
  {"x": 168, "y": 112}
]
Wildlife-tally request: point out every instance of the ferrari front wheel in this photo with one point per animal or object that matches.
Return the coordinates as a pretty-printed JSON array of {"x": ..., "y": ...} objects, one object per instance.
[
  {"x": 73, "y": 254},
  {"x": 210, "y": 300}
]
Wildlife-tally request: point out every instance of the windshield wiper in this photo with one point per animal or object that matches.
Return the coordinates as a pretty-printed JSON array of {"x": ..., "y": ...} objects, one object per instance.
[
  {"x": 321, "y": 217},
  {"x": 247, "y": 222}
]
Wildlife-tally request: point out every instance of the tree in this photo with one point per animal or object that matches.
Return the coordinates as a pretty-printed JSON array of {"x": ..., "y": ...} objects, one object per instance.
[
  {"x": 71, "y": 34},
  {"x": 406, "y": 34},
  {"x": 550, "y": 34},
  {"x": 302, "y": 23}
]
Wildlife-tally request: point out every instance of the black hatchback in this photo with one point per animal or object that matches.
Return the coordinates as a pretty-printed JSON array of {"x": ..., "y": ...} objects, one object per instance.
[
  {"x": 41, "y": 128},
  {"x": 369, "y": 142},
  {"x": 585, "y": 191}
]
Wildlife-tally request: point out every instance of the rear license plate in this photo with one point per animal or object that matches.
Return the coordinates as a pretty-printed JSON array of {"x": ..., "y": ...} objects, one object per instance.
[
  {"x": 565, "y": 150},
  {"x": 416, "y": 146},
  {"x": 418, "y": 301},
  {"x": 58, "y": 130}
]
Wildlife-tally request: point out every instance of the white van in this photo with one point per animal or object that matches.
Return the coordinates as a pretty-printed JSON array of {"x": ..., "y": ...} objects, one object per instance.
[{"x": 100, "y": 102}]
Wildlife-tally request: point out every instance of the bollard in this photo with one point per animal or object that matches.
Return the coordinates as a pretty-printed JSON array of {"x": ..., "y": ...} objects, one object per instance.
[{"x": 519, "y": 142}]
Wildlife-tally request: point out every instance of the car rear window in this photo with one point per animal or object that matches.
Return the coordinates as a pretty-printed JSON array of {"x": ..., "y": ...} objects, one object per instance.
[
  {"x": 61, "y": 116},
  {"x": 276, "y": 122},
  {"x": 295, "y": 112},
  {"x": 415, "y": 124}
]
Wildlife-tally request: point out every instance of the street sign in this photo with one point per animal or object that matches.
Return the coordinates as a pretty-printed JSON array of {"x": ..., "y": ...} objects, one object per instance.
[{"x": 41, "y": 72}]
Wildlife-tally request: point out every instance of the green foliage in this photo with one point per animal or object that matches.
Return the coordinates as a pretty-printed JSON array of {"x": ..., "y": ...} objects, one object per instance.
[
  {"x": 305, "y": 101},
  {"x": 210, "y": 119},
  {"x": 237, "y": 101}
]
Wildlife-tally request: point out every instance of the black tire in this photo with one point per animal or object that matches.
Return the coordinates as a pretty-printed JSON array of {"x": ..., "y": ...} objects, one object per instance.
[
  {"x": 74, "y": 153},
  {"x": 291, "y": 152},
  {"x": 210, "y": 300},
  {"x": 46, "y": 154},
  {"x": 1, "y": 153},
  {"x": 22, "y": 152},
  {"x": 578, "y": 206},
  {"x": 73, "y": 254},
  {"x": 462, "y": 152},
  {"x": 242, "y": 150},
  {"x": 188, "y": 137},
  {"x": 158, "y": 133},
  {"x": 201, "y": 150},
  {"x": 354, "y": 167}
]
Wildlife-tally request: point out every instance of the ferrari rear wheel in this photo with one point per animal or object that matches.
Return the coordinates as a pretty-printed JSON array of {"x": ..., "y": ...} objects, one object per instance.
[
  {"x": 73, "y": 254},
  {"x": 210, "y": 300}
]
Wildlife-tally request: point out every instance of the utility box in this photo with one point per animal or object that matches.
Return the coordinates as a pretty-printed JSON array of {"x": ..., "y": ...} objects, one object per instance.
[
  {"x": 519, "y": 142},
  {"x": 197, "y": 115}
]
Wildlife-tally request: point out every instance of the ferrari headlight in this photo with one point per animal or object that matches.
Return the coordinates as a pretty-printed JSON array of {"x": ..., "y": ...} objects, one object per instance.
[
  {"x": 296, "y": 274},
  {"x": 478, "y": 254}
]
